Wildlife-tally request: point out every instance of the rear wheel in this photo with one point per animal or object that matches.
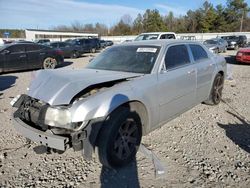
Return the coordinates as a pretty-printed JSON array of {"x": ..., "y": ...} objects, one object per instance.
[
  {"x": 75, "y": 54},
  {"x": 216, "y": 91},
  {"x": 119, "y": 138},
  {"x": 93, "y": 50},
  {"x": 49, "y": 63}
]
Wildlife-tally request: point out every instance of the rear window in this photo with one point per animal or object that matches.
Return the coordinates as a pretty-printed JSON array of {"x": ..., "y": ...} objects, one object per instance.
[
  {"x": 198, "y": 52},
  {"x": 32, "y": 47}
]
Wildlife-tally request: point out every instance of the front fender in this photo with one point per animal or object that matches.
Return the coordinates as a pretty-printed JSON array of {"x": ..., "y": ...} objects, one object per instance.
[{"x": 99, "y": 105}]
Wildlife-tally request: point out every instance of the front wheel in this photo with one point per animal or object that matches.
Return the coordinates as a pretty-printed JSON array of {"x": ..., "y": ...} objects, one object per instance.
[
  {"x": 119, "y": 138},
  {"x": 49, "y": 63}
]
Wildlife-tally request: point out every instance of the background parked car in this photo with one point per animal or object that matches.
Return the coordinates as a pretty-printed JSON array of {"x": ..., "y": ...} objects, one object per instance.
[
  {"x": 23, "y": 56},
  {"x": 69, "y": 50},
  {"x": 243, "y": 55},
  {"x": 234, "y": 42},
  {"x": 43, "y": 41},
  {"x": 87, "y": 45},
  {"x": 216, "y": 45},
  {"x": 156, "y": 35},
  {"x": 109, "y": 42},
  {"x": 103, "y": 43},
  {"x": 188, "y": 37}
]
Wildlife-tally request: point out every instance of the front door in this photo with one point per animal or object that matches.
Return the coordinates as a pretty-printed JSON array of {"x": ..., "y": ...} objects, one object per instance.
[
  {"x": 16, "y": 59},
  {"x": 34, "y": 55},
  {"x": 177, "y": 83}
]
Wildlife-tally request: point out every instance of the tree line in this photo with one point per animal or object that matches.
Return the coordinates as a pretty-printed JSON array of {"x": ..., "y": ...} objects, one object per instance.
[{"x": 233, "y": 17}]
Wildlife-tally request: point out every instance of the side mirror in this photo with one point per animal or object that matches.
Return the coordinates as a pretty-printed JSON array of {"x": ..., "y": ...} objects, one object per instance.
[{"x": 5, "y": 52}]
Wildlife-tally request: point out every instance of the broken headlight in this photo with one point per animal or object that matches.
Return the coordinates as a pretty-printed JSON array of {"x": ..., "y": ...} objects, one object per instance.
[{"x": 61, "y": 118}]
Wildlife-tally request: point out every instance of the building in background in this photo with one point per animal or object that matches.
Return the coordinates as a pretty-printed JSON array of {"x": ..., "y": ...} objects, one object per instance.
[{"x": 33, "y": 34}]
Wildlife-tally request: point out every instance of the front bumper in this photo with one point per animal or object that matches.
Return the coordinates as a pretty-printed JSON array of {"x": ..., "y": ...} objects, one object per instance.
[
  {"x": 243, "y": 59},
  {"x": 44, "y": 138},
  {"x": 232, "y": 46}
]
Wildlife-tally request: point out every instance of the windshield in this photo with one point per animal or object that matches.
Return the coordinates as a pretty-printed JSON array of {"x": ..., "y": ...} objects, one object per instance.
[
  {"x": 136, "y": 59},
  {"x": 210, "y": 42},
  {"x": 147, "y": 37},
  {"x": 230, "y": 37}
]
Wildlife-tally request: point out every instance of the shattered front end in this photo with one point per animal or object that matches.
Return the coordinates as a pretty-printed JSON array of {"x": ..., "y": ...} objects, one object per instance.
[{"x": 52, "y": 126}]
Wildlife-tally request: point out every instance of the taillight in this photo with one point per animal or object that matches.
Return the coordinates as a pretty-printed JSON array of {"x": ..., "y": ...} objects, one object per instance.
[{"x": 239, "y": 54}]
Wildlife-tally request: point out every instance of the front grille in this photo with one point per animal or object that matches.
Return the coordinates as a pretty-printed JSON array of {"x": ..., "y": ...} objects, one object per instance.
[{"x": 31, "y": 111}]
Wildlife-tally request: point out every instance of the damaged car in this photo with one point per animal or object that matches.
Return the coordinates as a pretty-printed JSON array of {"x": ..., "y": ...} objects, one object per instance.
[{"x": 124, "y": 93}]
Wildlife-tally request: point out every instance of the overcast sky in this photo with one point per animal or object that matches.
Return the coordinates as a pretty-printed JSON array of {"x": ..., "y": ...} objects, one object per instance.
[{"x": 45, "y": 14}]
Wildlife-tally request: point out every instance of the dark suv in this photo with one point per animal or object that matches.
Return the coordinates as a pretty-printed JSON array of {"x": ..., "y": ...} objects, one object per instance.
[
  {"x": 69, "y": 50},
  {"x": 234, "y": 42},
  {"x": 87, "y": 45}
]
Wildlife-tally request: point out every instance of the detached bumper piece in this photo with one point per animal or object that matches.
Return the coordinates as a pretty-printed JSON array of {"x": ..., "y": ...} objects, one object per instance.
[{"x": 44, "y": 138}]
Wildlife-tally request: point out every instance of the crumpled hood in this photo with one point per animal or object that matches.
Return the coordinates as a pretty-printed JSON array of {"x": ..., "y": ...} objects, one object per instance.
[{"x": 58, "y": 87}]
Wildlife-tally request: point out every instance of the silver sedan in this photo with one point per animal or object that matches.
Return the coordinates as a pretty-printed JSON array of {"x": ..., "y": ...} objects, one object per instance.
[{"x": 124, "y": 93}]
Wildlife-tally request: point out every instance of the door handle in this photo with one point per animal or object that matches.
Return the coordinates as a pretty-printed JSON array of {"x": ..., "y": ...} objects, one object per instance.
[
  {"x": 191, "y": 71},
  {"x": 211, "y": 64},
  {"x": 42, "y": 53}
]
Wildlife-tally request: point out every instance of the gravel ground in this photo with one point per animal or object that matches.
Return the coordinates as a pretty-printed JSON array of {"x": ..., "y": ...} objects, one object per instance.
[{"x": 207, "y": 146}]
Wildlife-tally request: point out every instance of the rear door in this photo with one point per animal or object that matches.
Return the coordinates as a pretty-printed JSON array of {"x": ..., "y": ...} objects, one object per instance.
[
  {"x": 177, "y": 82},
  {"x": 16, "y": 59},
  {"x": 87, "y": 45},
  {"x": 35, "y": 55},
  {"x": 205, "y": 70},
  {"x": 66, "y": 48}
]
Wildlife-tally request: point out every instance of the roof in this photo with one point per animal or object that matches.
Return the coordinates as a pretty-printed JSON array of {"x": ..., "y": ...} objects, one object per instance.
[
  {"x": 161, "y": 42},
  {"x": 158, "y": 33}
]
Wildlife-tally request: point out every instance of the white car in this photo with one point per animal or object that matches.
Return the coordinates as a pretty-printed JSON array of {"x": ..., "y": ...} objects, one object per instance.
[{"x": 156, "y": 36}]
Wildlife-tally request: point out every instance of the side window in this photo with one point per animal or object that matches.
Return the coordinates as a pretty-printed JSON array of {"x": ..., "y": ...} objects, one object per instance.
[
  {"x": 87, "y": 41},
  {"x": 167, "y": 36},
  {"x": 16, "y": 49},
  {"x": 32, "y": 47},
  {"x": 198, "y": 52},
  {"x": 170, "y": 36},
  {"x": 176, "y": 56},
  {"x": 62, "y": 45},
  {"x": 163, "y": 36},
  {"x": 54, "y": 45}
]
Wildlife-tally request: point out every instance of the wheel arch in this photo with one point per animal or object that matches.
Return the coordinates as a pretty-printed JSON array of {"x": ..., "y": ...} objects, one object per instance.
[{"x": 140, "y": 108}]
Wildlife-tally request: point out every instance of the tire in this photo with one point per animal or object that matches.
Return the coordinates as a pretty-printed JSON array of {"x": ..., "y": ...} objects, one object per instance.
[
  {"x": 93, "y": 50},
  {"x": 216, "y": 90},
  {"x": 49, "y": 63},
  {"x": 75, "y": 54},
  {"x": 119, "y": 138}
]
